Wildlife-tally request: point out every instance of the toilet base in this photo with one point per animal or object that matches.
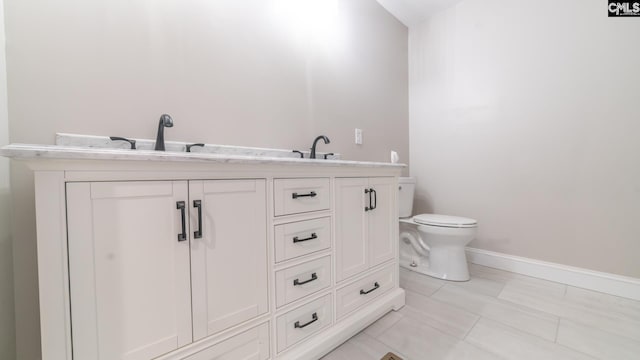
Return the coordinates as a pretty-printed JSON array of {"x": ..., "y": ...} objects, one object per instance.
[
  {"x": 421, "y": 266},
  {"x": 435, "y": 251}
]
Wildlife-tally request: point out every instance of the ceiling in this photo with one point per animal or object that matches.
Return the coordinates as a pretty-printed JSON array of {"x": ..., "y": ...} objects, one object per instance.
[{"x": 413, "y": 12}]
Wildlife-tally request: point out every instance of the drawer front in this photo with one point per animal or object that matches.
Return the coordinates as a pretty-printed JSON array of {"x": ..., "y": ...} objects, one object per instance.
[
  {"x": 301, "y": 238},
  {"x": 252, "y": 344},
  {"x": 301, "y": 280},
  {"x": 300, "y": 323},
  {"x": 364, "y": 290},
  {"x": 293, "y": 196}
]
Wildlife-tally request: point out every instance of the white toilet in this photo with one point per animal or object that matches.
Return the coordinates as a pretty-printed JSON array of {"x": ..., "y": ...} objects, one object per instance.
[{"x": 432, "y": 244}]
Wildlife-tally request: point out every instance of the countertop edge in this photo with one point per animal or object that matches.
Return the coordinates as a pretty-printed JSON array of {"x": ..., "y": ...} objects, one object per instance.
[{"x": 55, "y": 152}]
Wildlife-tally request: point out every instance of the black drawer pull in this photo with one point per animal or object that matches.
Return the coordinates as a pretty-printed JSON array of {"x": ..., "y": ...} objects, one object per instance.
[
  {"x": 367, "y": 208},
  {"x": 198, "y": 205},
  {"x": 297, "y": 240},
  {"x": 181, "y": 206},
  {"x": 311, "y": 194},
  {"x": 314, "y": 318},
  {"x": 297, "y": 282},
  {"x": 375, "y": 199},
  {"x": 375, "y": 287}
]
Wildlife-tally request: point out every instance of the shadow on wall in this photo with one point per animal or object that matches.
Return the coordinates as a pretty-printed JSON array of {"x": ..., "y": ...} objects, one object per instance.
[
  {"x": 422, "y": 202},
  {"x": 7, "y": 319},
  {"x": 25, "y": 266}
]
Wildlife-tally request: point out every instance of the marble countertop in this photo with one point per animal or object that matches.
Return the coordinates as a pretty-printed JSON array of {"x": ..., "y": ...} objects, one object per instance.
[
  {"x": 104, "y": 142},
  {"x": 67, "y": 152}
]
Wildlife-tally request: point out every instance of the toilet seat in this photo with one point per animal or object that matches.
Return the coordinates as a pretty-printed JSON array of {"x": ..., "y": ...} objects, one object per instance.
[{"x": 444, "y": 221}]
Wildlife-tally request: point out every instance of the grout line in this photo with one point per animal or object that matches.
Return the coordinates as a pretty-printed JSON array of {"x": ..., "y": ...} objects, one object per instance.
[
  {"x": 501, "y": 291},
  {"x": 427, "y": 323},
  {"x": 434, "y": 328},
  {"x": 385, "y": 345},
  {"x": 464, "y": 338},
  {"x": 419, "y": 280},
  {"x": 439, "y": 288},
  {"x": 383, "y": 329}
]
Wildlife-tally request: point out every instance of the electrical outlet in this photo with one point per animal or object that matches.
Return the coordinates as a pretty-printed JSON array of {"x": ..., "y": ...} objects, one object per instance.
[{"x": 358, "y": 136}]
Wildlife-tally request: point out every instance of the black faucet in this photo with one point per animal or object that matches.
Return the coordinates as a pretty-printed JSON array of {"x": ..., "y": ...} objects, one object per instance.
[
  {"x": 188, "y": 147},
  {"x": 315, "y": 142},
  {"x": 165, "y": 121},
  {"x": 132, "y": 143}
]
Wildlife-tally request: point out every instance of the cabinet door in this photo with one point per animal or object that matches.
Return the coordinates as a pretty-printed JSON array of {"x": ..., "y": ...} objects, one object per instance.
[
  {"x": 383, "y": 220},
  {"x": 351, "y": 227},
  {"x": 129, "y": 274},
  {"x": 229, "y": 260}
]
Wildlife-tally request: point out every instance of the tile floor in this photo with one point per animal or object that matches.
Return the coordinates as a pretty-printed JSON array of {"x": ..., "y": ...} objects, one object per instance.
[{"x": 499, "y": 315}]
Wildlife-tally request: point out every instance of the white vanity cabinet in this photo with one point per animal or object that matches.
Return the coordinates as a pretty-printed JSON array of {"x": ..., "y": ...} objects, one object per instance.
[
  {"x": 156, "y": 265},
  {"x": 168, "y": 256},
  {"x": 366, "y": 223}
]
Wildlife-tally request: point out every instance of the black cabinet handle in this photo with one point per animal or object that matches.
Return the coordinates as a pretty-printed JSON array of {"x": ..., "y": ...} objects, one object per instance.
[
  {"x": 198, "y": 204},
  {"x": 375, "y": 199},
  {"x": 297, "y": 282},
  {"x": 375, "y": 287},
  {"x": 367, "y": 208},
  {"x": 297, "y": 240},
  {"x": 188, "y": 147},
  {"x": 314, "y": 318},
  {"x": 118, "y": 138},
  {"x": 296, "y": 195},
  {"x": 181, "y": 206}
]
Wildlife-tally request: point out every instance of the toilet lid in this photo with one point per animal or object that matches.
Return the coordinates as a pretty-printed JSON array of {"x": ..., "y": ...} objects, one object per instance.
[{"x": 445, "y": 220}]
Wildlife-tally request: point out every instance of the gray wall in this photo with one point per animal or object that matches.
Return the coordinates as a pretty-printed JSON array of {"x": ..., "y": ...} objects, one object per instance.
[
  {"x": 251, "y": 72},
  {"x": 7, "y": 320},
  {"x": 524, "y": 115}
]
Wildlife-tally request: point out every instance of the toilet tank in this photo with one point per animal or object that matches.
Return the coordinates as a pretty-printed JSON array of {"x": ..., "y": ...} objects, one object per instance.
[{"x": 406, "y": 190}]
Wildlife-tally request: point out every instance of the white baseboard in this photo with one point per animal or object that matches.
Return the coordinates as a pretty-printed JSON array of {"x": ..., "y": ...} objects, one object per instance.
[{"x": 618, "y": 285}]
